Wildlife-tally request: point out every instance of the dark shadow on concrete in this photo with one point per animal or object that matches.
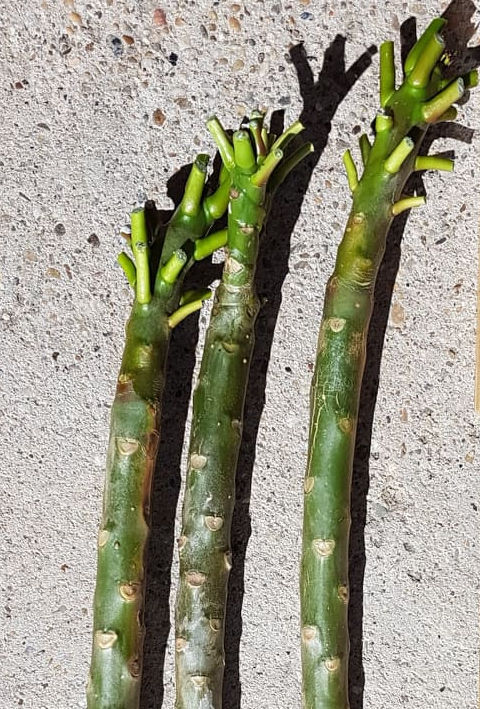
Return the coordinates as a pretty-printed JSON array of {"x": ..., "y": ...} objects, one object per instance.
[
  {"x": 460, "y": 30},
  {"x": 166, "y": 487},
  {"x": 321, "y": 98}
]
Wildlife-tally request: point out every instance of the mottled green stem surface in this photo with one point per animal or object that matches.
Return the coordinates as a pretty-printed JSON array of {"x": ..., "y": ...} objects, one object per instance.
[
  {"x": 423, "y": 98},
  {"x": 116, "y": 664},
  {"x": 204, "y": 544}
]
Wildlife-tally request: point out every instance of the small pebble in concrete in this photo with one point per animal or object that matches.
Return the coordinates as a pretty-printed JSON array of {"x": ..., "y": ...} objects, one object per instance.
[
  {"x": 115, "y": 44},
  {"x": 158, "y": 117},
  {"x": 93, "y": 240},
  {"x": 159, "y": 17}
]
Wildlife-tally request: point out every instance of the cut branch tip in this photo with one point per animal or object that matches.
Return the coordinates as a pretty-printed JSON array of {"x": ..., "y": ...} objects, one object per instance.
[
  {"x": 351, "y": 170},
  {"x": 426, "y": 61},
  {"x": 260, "y": 178},
  {"x": 201, "y": 161},
  {"x": 172, "y": 268},
  {"x": 407, "y": 203},
  {"x": 398, "y": 156},
  {"x": 243, "y": 151},
  {"x": 365, "y": 148},
  {"x": 434, "y": 162},
  {"x": 387, "y": 72},
  {"x": 383, "y": 121},
  {"x": 222, "y": 141},
  {"x": 128, "y": 268},
  {"x": 209, "y": 244},
  {"x": 193, "y": 304},
  {"x": 437, "y": 106}
]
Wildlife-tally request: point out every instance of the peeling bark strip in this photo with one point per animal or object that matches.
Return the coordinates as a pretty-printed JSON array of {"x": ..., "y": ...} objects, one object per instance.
[
  {"x": 116, "y": 664},
  {"x": 423, "y": 97},
  {"x": 216, "y": 430}
]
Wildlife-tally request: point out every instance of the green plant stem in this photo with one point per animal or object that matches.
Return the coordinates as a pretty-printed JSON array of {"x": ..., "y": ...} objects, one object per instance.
[
  {"x": 434, "y": 162},
  {"x": 116, "y": 664},
  {"x": 128, "y": 268},
  {"x": 204, "y": 544},
  {"x": 206, "y": 246},
  {"x": 139, "y": 240},
  {"x": 210, "y": 487},
  {"x": 189, "y": 307},
  {"x": 339, "y": 369},
  {"x": 387, "y": 72},
  {"x": 351, "y": 170},
  {"x": 365, "y": 148}
]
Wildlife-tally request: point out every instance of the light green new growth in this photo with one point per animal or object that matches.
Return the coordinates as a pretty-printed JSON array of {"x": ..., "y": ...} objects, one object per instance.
[
  {"x": 351, "y": 170},
  {"x": 365, "y": 148},
  {"x": 423, "y": 98},
  {"x": 116, "y": 665},
  {"x": 434, "y": 162},
  {"x": 189, "y": 306},
  {"x": 140, "y": 250},
  {"x": 206, "y": 246},
  {"x": 128, "y": 268},
  {"x": 204, "y": 544}
]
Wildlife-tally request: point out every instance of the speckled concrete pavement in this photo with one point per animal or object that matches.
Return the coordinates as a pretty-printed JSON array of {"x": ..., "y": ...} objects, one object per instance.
[{"x": 102, "y": 102}]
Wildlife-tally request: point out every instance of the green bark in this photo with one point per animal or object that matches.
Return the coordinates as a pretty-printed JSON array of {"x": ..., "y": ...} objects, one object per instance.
[
  {"x": 116, "y": 664},
  {"x": 204, "y": 544},
  {"x": 377, "y": 198}
]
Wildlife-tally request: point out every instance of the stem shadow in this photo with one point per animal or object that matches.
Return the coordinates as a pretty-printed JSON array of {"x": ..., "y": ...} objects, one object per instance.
[
  {"x": 321, "y": 99},
  {"x": 166, "y": 488},
  {"x": 460, "y": 30}
]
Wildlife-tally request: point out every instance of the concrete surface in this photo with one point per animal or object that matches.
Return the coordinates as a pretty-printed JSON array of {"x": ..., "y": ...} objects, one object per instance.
[{"x": 85, "y": 87}]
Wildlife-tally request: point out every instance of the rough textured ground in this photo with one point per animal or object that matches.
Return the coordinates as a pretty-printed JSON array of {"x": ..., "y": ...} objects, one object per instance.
[{"x": 102, "y": 102}]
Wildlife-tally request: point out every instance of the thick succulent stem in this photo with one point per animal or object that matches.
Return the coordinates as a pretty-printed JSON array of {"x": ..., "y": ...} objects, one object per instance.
[
  {"x": 115, "y": 671},
  {"x": 334, "y": 400},
  {"x": 377, "y": 198},
  {"x": 204, "y": 544},
  {"x": 135, "y": 419}
]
